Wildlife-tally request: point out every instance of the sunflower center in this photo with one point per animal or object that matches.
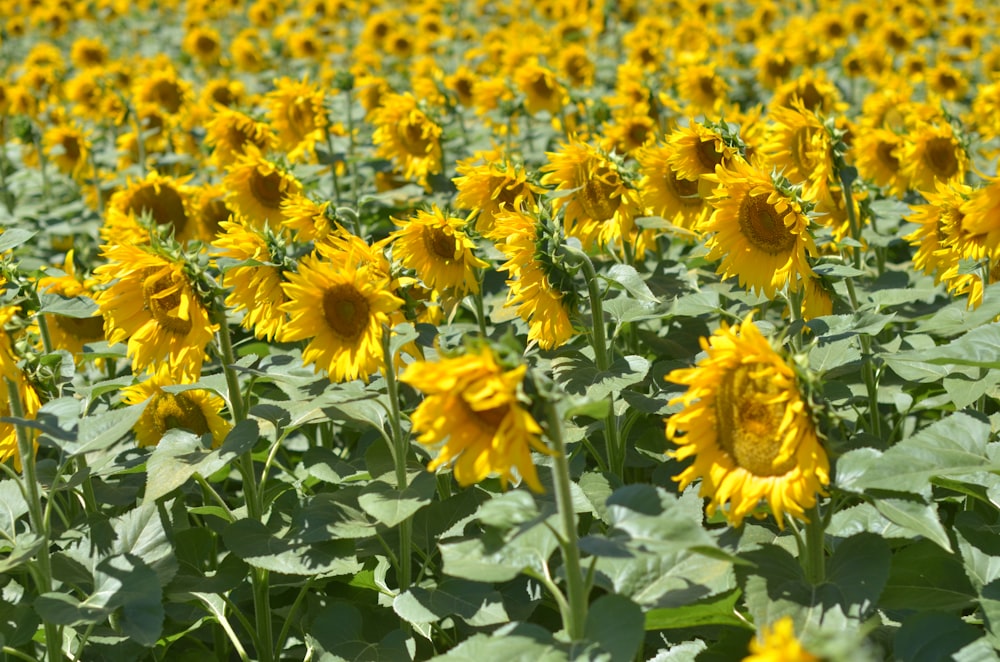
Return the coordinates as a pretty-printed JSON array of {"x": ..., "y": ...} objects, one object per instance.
[
  {"x": 166, "y": 301},
  {"x": 488, "y": 420},
  {"x": 940, "y": 156},
  {"x": 71, "y": 148},
  {"x": 413, "y": 139},
  {"x": 266, "y": 189},
  {"x": 763, "y": 225},
  {"x": 167, "y": 95},
  {"x": 708, "y": 155},
  {"x": 686, "y": 190},
  {"x": 300, "y": 120},
  {"x": 83, "y": 328},
  {"x": 748, "y": 418},
  {"x": 163, "y": 203},
  {"x": 205, "y": 45},
  {"x": 441, "y": 242},
  {"x": 811, "y": 97},
  {"x": 541, "y": 87},
  {"x": 598, "y": 195},
  {"x": 346, "y": 310},
  {"x": 886, "y": 157},
  {"x": 177, "y": 411}
]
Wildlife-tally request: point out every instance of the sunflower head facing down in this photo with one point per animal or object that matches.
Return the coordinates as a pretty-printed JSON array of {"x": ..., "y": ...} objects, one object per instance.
[
  {"x": 194, "y": 410},
  {"x": 340, "y": 308},
  {"x": 471, "y": 410},
  {"x": 747, "y": 429}
]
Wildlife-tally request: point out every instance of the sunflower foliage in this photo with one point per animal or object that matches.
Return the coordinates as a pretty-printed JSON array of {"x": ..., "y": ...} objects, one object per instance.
[{"x": 532, "y": 330}]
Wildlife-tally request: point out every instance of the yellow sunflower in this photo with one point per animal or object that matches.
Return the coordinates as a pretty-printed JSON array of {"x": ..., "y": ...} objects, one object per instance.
[
  {"x": 340, "y": 309},
  {"x": 164, "y": 90},
  {"x": 666, "y": 193},
  {"x": 257, "y": 187},
  {"x": 747, "y": 428},
  {"x": 149, "y": 303},
  {"x": 601, "y": 206},
  {"x": 489, "y": 183},
  {"x": 540, "y": 89},
  {"x": 934, "y": 155},
  {"x": 256, "y": 286},
  {"x": 204, "y": 44},
  {"x": 228, "y": 132},
  {"x": 694, "y": 152},
  {"x": 702, "y": 89},
  {"x": 88, "y": 53},
  {"x": 71, "y": 333},
  {"x": 879, "y": 154},
  {"x": 980, "y": 224},
  {"x": 799, "y": 146},
  {"x": 194, "y": 410},
  {"x": 408, "y": 137},
  {"x": 296, "y": 109},
  {"x": 759, "y": 233},
  {"x": 307, "y": 220},
  {"x": 471, "y": 410},
  {"x": 166, "y": 201},
  {"x": 438, "y": 249},
  {"x": 777, "y": 643},
  {"x": 30, "y": 404},
  {"x": 68, "y": 146},
  {"x": 941, "y": 239},
  {"x": 542, "y": 306}
]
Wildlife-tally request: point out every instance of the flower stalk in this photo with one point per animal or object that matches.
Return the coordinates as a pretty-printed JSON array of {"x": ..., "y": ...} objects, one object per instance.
[{"x": 398, "y": 447}]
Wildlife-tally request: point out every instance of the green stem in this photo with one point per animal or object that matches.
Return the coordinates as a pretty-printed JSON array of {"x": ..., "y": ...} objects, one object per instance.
[
  {"x": 477, "y": 299},
  {"x": 255, "y": 506},
  {"x": 575, "y": 616},
  {"x": 399, "y": 448},
  {"x": 815, "y": 546},
  {"x": 36, "y": 515},
  {"x": 8, "y": 197},
  {"x": 334, "y": 180}
]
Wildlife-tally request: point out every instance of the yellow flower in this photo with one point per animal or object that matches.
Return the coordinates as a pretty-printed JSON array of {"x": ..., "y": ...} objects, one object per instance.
[
  {"x": 257, "y": 188},
  {"x": 934, "y": 155},
  {"x": 666, "y": 193},
  {"x": 981, "y": 223},
  {"x": 88, "y": 53},
  {"x": 257, "y": 286},
  {"x": 602, "y": 207},
  {"x": 879, "y": 154},
  {"x": 747, "y": 428},
  {"x": 471, "y": 409},
  {"x": 308, "y": 220},
  {"x": 777, "y": 643},
  {"x": 407, "y": 136},
  {"x": 167, "y": 201},
  {"x": 538, "y": 303},
  {"x": 163, "y": 90},
  {"x": 297, "y": 112},
  {"x": 702, "y": 88},
  {"x": 68, "y": 146},
  {"x": 228, "y": 132},
  {"x": 194, "y": 410},
  {"x": 799, "y": 146},
  {"x": 541, "y": 90},
  {"x": 204, "y": 44},
  {"x": 341, "y": 309},
  {"x": 150, "y": 302},
  {"x": 438, "y": 249},
  {"x": 941, "y": 237},
  {"x": 695, "y": 151},
  {"x": 30, "y": 402},
  {"x": 487, "y": 188},
  {"x": 758, "y": 232},
  {"x": 71, "y": 333}
]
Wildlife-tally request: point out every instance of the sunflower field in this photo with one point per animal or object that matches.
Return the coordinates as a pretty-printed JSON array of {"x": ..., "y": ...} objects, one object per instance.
[{"x": 466, "y": 331}]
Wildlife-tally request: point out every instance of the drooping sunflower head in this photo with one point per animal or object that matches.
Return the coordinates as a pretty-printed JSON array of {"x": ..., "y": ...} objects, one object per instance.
[
  {"x": 439, "y": 250},
  {"x": 666, "y": 193},
  {"x": 229, "y": 132},
  {"x": 296, "y": 109},
  {"x": 800, "y": 147},
  {"x": 488, "y": 185},
  {"x": 471, "y": 411},
  {"x": 257, "y": 187},
  {"x": 747, "y": 429},
  {"x": 193, "y": 410},
  {"x": 759, "y": 232},
  {"x": 165, "y": 201},
  {"x": 341, "y": 310}
]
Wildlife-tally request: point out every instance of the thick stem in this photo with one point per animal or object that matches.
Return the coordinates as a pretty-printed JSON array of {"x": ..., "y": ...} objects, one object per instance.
[
  {"x": 399, "y": 448},
  {"x": 575, "y": 616},
  {"x": 36, "y": 515},
  {"x": 815, "y": 542}
]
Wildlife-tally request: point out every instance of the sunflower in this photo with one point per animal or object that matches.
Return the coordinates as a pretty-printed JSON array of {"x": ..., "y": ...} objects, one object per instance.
[
  {"x": 980, "y": 224},
  {"x": 408, "y": 137},
  {"x": 227, "y": 92},
  {"x": 256, "y": 280},
  {"x": 341, "y": 310},
  {"x": 799, "y": 146},
  {"x": 602, "y": 207},
  {"x": 204, "y": 44},
  {"x": 540, "y": 89},
  {"x": 257, "y": 188},
  {"x": 210, "y": 208},
  {"x": 702, "y": 89},
  {"x": 194, "y": 410},
  {"x": 576, "y": 65},
  {"x": 167, "y": 201},
  {"x": 88, "y": 53},
  {"x": 472, "y": 410},
  {"x": 777, "y": 643},
  {"x": 879, "y": 152},
  {"x": 812, "y": 88},
  {"x": 68, "y": 146},
  {"x": 30, "y": 404},
  {"x": 308, "y": 220},
  {"x": 71, "y": 333},
  {"x": 542, "y": 306},
  {"x": 438, "y": 249},
  {"x": 489, "y": 183},
  {"x": 149, "y": 302},
  {"x": 624, "y": 135},
  {"x": 934, "y": 155},
  {"x": 747, "y": 428},
  {"x": 249, "y": 51},
  {"x": 164, "y": 90},
  {"x": 228, "y": 132},
  {"x": 760, "y": 233},
  {"x": 695, "y": 151},
  {"x": 462, "y": 83},
  {"x": 297, "y": 112},
  {"x": 937, "y": 238},
  {"x": 667, "y": 194}
]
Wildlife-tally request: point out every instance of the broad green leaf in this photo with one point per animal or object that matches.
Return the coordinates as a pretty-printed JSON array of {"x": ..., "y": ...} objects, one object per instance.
[
  {"x": 12, "y": 507},
  {"x": 125, "y": 581},
  {"x": 979, "y": 545},
  {"x": 495, "y": 557},
  {"x": 837, "y": 327},
  {"x": 475, "y": 603},
  {"x": 332, "y": 516},
  {"x": 649, "y": 518},
  {"x": 11, "y": 238},
  {"x": 518, "y": 641},
  {"x": 77, "y": 307},
  {"x": 625, "y": 309},
  {"x": 913, "y": 514},
  {"x": 579, "y": 376},
  {"x": 254, "y": 543},
  {"x": 325, "y": 465},
  {"x": 616, "y": 623},
  {"x": 597, "y": 488},
  {"x": 25, "y": 549},
  {"x": 630, "y": 279},
  {"x": 389, "y": 506},
  {"x": 924, "y": 577},
  {"x": 336, "y": 634},
  {"x": 978, "y": 347},
  {"x": 663, "y": 579},
  {"x": 173, "y": 461},
  {"x": 716, "y": 610},
  {"x": 777, "y": 587},
  {"x": 99, "y": 431},
  {"x": 932, "y": 637},
  {"x": 685, "y": 652},
  {"x": 859, "y": 569},
  {"x": 864, "y": 517}
]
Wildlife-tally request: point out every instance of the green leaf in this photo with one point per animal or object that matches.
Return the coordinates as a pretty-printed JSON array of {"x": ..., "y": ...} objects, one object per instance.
[
  {"x": 924, "y": 577},
  {"x": 956, "y": 318},
  {"x": 579, "y": 376},
  {"x": 12, "y": 507},
  {"x": 336, "y": 634},
  {"x": 979, "y": 546},
  {"x": 978, "y": 347},
  {"x": 717, "y": 610},
  {"x": 518, "y": 641},
  {"x": 389, "y": 506},
  {"x": 125, "y": 581},
  {"x": 475, "y": 603},
  {"x": 496, "y": 557},
  {"x": 617, "y": 624},
  {"x": 837, "y": 327},
  {"x": 777, "y": 587},
  {"x": 630, "y": 279},
  {"x": 859, "y": 569},
  {"x": 916, "y": 516},
  {"x": 56, "y": 304},
  {"x": 99, "y": 431},
  {"x": 254, "y": 543},
  {"x": 932, "y": 637},
  {"x": 25, "y": 549},
  {"x": 11, "y": 238}
]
